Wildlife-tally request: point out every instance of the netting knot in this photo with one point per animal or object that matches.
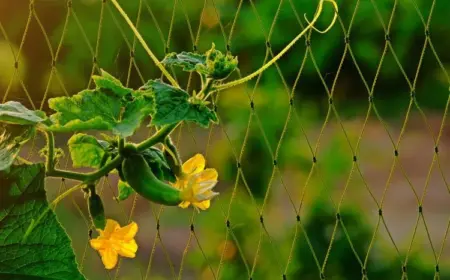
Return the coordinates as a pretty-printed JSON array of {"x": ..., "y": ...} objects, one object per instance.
[
  {"x": 252, "y": 105},
  {"x": 322, "y": 276},
  {"x": 228, "y": 47},
  {"x": 404, "y": 268},
  {"x": 69, "y": 4},
  {"x": 354, "y": 158},
  {"x": 437, "y": 268},
  {"x": 284, "y": 277},
  {"x": 215, "y": 108},
  {"x": 275, "y": 162},
  {"x": 131, "y": 53},
  {"x": 364, "y": 271},
  {"x": 16, "y": 64},
  {"x": 157, "y": 225},
  {"x": 166, "y": 50},
  {"x": 420, "y": 209},
  {"x": 330, "y": 100},
  {"x": 338, "y": 216},
  {"x": 194, "y": 47},
  {"x": 261, "y": 219},
  {"x": 396, "y": 152},
  {"x": 347, "y": 40},
  {"x": 427, "y": 32},
  {"x": 238, "y": 165},
  {"x": 291, "y": 101},
  {"x": 436, "y": 149},
  {"x": 380, "y": 212},
  {"x": 413, "y": 94},
  {"x": 228, "y": 223},
  {"x": 387, "y": 37},
  {"x": 370, "y": 98},
  {"x": 192, "y": 227},
  {"x": 314, "y": 159},
  {"x": 308, "y": 43},
  {"x": 53, "y": 63},
  {"x": 94, "y": 60},
  {"x": 268, "y": 45},
  {"x": 298, "y": 218}
]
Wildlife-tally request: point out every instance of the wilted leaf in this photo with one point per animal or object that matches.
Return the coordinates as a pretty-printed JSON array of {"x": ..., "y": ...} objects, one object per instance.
[
  {"x": 12, "y": 138},
  {"x": 13, "y": 112}
]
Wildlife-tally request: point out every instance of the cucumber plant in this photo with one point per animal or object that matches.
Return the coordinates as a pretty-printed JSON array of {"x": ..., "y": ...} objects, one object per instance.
[{"x": 143, "y": 168}]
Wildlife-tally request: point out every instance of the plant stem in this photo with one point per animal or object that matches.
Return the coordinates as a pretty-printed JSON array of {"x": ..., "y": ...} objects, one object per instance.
[
  {"x": 282, "y": 52},
  {"x": 104, "y": 170},
  {"x": 121, "y": 144},
  {"x": 144, "y": 44},
  {"x": 50, "y": 150},
  {"x": 158, "y": 137},
  {"x": 206, "y": 89}
]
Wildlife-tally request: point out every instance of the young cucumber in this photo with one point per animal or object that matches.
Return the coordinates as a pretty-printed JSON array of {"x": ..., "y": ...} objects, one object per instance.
[{"x": 140, "y": 177}]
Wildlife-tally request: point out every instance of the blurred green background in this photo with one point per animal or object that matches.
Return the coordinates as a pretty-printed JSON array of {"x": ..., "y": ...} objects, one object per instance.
[{"x": 317, "y": 216}]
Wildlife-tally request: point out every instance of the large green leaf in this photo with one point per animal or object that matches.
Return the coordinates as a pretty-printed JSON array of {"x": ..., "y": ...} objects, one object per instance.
[
  {"x": 171, "y": 104},
  {"x": 47, "y": 252},
  {"x": 91, "y": 109},
  {"x": 12, "y": 138},
  {"x": 108, "y": 83},
  {"x": 15, "y": 113},
  {"x": 85, "y": 150},
  {"x": 188, "y": 60}
]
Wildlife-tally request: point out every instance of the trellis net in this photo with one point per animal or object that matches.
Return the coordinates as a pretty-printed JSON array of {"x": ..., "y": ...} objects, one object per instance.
[{"x": 332, "y": 163}]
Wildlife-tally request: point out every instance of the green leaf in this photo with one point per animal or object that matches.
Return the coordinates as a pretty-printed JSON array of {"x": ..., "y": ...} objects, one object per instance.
[
  {"x": 91, "y": 109},
  {"x": 12, "y": 138},
  {"x": 171, "y": 104},
  {"x": 159, "y": 165},
  {"x": 124, "y": 190},
  {"x": 15, "y": 113},
  {"x": 188, "y": 60},
  {"x": 47, "y": 252},
  {"x": 108, "y": 83},
  {"x": 85, "y": 150},
  {"x": 201, "y": 114},
  {"x": 134, "y": 113}
]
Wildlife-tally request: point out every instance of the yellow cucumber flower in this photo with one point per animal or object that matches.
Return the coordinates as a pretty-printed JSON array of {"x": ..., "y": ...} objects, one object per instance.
[
  {"x": 196, "y": 183},
  {"x": 115, "y": 240}
]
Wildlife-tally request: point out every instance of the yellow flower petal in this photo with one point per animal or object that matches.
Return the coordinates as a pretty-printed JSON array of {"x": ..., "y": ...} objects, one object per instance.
[
  {"x": 110, "y": 227},
  {"x": 194, "y": 165},
  {"x": 126, "y": 233},
  {"x": 209, "y": 174},
  {"x": 128, "y": 249},
  {"x": 202, "y": 205},
  {"x": 184, "y": 204},
  {"x": 98, "y": 243},
  {"x": 109, "y": 258}
]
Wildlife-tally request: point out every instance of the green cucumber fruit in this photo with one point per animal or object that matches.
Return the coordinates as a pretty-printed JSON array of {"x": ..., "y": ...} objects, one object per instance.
[{"x": 140, "y": 177}]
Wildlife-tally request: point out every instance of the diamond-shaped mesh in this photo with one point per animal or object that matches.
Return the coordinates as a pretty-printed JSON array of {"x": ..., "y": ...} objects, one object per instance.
[{"x": 312, "y": 185}]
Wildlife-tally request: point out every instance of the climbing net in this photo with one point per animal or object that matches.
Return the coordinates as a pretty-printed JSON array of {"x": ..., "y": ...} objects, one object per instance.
[{"x": 299, "y": 199}]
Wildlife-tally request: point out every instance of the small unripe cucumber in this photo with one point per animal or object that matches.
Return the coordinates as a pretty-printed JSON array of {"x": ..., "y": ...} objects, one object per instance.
[
  {"x": 140, "y": 177},
  {"x": 96, "y": 210}
]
